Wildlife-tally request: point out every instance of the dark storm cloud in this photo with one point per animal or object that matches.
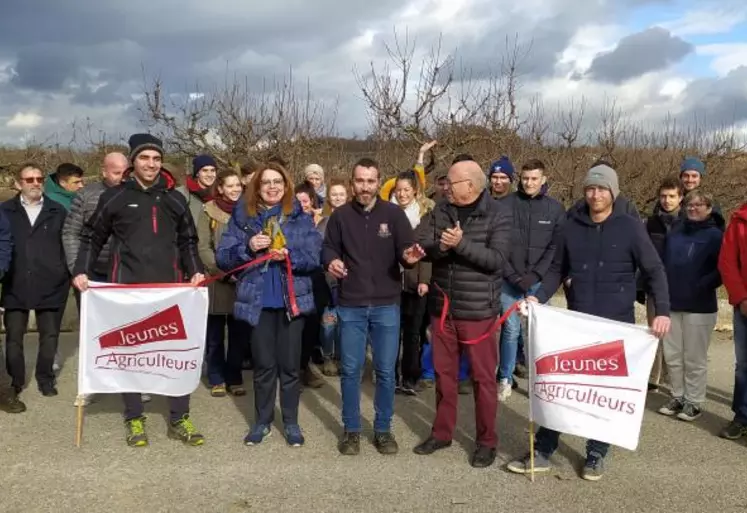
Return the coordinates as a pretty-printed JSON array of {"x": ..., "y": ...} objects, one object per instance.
[
  {"x": 650, "y": 50},
  {"x": 717, "y": 102}
]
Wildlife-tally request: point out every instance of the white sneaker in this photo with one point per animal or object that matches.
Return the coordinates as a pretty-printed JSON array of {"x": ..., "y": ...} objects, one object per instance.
[
  {"x": 504, "y": 390},
  {"x": 145, "y": 398},
  {"x": 82, "y": 400}
]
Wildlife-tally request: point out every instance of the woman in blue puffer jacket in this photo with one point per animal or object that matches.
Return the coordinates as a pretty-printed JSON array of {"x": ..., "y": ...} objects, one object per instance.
[{"x": 269, "y": 221}]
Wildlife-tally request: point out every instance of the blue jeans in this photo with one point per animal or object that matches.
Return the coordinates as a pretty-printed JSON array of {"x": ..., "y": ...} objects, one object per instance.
[
  {"x": 330, "y": 333},
  {"x": 381, "y": 323},
  {"x": 739, "y": 404},
  {"x": 511, "y": 330},
  {"x": 546, "y": 442},
  {"x": 429, "y": 372}
]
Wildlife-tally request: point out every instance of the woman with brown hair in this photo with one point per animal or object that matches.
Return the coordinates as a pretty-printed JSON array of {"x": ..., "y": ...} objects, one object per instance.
[
  {"x": 224, "y": 372},
  {"x": 274, "y": 299}
]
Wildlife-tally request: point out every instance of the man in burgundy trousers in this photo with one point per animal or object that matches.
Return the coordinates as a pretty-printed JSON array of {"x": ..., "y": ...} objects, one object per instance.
[{"x": 467, "y": 239}]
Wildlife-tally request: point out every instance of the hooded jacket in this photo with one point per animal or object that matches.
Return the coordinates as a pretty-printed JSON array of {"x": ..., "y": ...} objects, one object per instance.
[
  {"x": 732, "y": 262},
  {"x": 601, "y": 260},
  {"x": 54, "y": 191},
  {"x": 153, "y": 238},
  {"x": 691, "y": 262}
]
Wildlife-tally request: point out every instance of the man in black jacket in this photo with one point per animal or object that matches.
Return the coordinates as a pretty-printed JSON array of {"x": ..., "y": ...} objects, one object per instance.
[
  {"x": 598, "y": 252},
  {"x": 538, "y": 219},
  {"x": 467, "y": 240},
  {"x": 366, "y": 242},
  {"x": 38, "y": 278},
  {"x": 153, "y": 240}
]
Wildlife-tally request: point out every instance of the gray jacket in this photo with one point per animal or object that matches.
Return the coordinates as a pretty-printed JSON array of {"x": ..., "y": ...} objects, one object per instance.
[
  {"x": 83, "y": 207},
  {"x": 195, "y": 205}
]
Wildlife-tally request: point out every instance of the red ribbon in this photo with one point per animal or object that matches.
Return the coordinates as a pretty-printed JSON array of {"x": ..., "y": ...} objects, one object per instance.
[
  {"x": 210, "y": 279},
  {"x": 491, "y": 331}
]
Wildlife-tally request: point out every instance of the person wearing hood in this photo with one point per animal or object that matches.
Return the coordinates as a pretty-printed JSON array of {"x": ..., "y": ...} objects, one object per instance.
[
  {"x": 597, "y": 255},
  {"x": 314, "y": 174},
  {"x": 691, "y": 262},
  {"x": 537, "y": 220},
  {"x": 151, "y": 240},
  {"x": 501, "y": 177},
  {"x": 198, "y": 189},
  {"x": 63, "y": 185}
]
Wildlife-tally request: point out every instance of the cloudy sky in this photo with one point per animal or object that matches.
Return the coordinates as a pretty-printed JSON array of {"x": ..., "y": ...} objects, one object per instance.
[{"x": 84, "y": 59}]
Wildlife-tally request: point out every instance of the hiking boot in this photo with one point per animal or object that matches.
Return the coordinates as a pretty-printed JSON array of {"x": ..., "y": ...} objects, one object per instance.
[
  {"x": 311, "y": 379},
  {"x": 293, "y": 435},
  {"x": 236, "y": 390},
  {"x": 689, "y": 412},
  {"x": 385, "y": 443},
  {"x": 218, "y": 391},
  {"x": 483, "y": 456},
  {"x": 465, "y": 387},
  {"x": 673, "y": 407},
  {"x": 330, "y": 368},
  {"x": 350, "y": 445},
  {"x": 734, "y": 431},
  {"x": 521, "y": 371},
  {"x": 257, "y": 434},
  {"x": 504, "y": 390},
  {"x": 184, "y": 430},
  {"x": 594, "y": 468},
  {"x": 10, "y": 403},
  {"x": 523, "y": 466},
  {"x": 430, "y": 446},
  {"x": 135, "y": 432}
]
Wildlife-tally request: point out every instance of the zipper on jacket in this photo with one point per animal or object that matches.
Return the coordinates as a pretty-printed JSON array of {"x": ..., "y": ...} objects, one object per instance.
[{"x": 154, "y": 217}]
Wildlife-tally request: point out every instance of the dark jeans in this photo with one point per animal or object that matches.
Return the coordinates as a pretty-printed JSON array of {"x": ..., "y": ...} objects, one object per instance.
[
  {"x": 225, "y": 368},
  {"x": 546, "y": 442},
  {"x": 48, "y": 325},
  {"x": 310, "y": 339},
  {"x": 178, "y": 406},
  {"x": 413, "y": 309},
  {"x": 276, "y": 350}
]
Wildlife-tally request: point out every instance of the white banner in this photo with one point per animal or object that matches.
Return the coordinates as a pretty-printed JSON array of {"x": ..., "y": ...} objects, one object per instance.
[
  {"x": 145, "y": 340},
  {"x": 589, "y": 375}
]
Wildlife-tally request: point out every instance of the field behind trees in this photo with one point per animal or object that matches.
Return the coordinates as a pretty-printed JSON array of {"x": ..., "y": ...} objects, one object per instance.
[{"x": 409, "y": 102}]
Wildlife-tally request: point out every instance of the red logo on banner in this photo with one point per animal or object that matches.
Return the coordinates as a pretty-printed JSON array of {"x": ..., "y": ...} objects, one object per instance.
[
  {"x": 605, "y": 359},
  {"x": 159, "y": 327}
]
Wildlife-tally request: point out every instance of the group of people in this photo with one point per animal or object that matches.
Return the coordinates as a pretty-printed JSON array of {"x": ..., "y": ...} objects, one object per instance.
[{"x": 353, "y": 263}]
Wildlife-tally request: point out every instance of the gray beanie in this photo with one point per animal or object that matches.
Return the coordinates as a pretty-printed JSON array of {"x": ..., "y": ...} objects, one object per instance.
[{"x": 603, "y": 176}]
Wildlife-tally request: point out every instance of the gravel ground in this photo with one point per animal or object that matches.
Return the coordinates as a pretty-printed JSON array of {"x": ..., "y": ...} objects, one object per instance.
[{"x": 678, "y": 467}]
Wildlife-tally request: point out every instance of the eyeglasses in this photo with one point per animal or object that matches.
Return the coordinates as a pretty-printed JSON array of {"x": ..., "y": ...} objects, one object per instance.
[
  {"x": 276, "y": 183},
  {"x": 33, "y": 179},
  {"x": 697, "y": 205}
]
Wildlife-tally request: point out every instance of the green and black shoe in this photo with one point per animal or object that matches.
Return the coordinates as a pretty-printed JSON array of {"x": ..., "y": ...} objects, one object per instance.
[
  {"x": 184, "y": 430},
  {"x": 135, "y": 429}
]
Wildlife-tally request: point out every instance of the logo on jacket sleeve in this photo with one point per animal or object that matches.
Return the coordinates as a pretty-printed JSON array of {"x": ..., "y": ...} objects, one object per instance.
[
  {"x": 160, "y": 327},
  {"x": 384, "y": 230}
]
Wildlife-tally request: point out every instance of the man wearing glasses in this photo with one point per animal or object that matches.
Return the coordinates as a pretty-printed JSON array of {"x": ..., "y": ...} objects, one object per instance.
[{"x": 37, "y": 279}]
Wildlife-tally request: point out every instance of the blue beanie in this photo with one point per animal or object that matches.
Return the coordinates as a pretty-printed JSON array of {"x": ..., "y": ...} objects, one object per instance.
[
  {"x": 693, "y": 164},
  {"x": 201, "y": 161},
  {"x": 502, "y": 165}
]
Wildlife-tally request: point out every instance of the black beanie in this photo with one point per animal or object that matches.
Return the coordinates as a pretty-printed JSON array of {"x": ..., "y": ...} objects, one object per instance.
[{"x": 142, "y": 142}]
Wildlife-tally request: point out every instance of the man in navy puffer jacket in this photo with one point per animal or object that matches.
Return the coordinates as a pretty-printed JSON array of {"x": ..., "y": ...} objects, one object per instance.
[{"x": 598, "y": 252}]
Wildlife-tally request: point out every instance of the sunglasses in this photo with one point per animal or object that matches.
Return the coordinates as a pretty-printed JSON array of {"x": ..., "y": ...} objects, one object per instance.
[{"x": 33, "y": 179}]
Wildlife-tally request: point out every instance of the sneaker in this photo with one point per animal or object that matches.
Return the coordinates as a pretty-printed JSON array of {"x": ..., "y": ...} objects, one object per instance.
[
  {"x": 430, "y": 446},
  {"x": 10, "y": 403},
  {"x": 385, "y": 443},
  {"x": 184, "y": 430},
  {"x": 524, "y": 465},
  {"x": 311, "y": 379},
  {"x": 594, "y": 467},
  {"x": 257, "y": 434},
  {"x": 82, "y": 400},
  {"x": 673, "y": 407},
  {"x": 689, "y": 412},
  {"x": 135, "y": 432},
  {"x": 48, "y": 391},
  {"x": 293, "y": 435},
  {"x": 734, "y": 431},
  {"x": 218, "y": 391},
  {"x": 236, "y": 390},
  {"x": 409, "y": 388},
  {"x": 350, "y": 445},
  {"x": 483, "y": 456},
  {"x": 330, "y": 368},
  {"x": 465, "y": 387},
  {"x": 145, "y": 398},
  {"x": 504, "y": 390}
]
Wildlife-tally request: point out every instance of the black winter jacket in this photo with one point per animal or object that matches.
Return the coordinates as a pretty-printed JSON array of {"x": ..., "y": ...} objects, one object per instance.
[
  {"x": 536, "y": 224},
  {"x": 153, "y": 235},
  {"x": 601, "y": 260},
  {"x": 471, "y": 274},
  {"x": 38, "y": 278}
]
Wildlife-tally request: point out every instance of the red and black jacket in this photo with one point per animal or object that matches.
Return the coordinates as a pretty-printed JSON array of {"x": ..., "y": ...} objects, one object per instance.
[{"x": 153, "y": 235}]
